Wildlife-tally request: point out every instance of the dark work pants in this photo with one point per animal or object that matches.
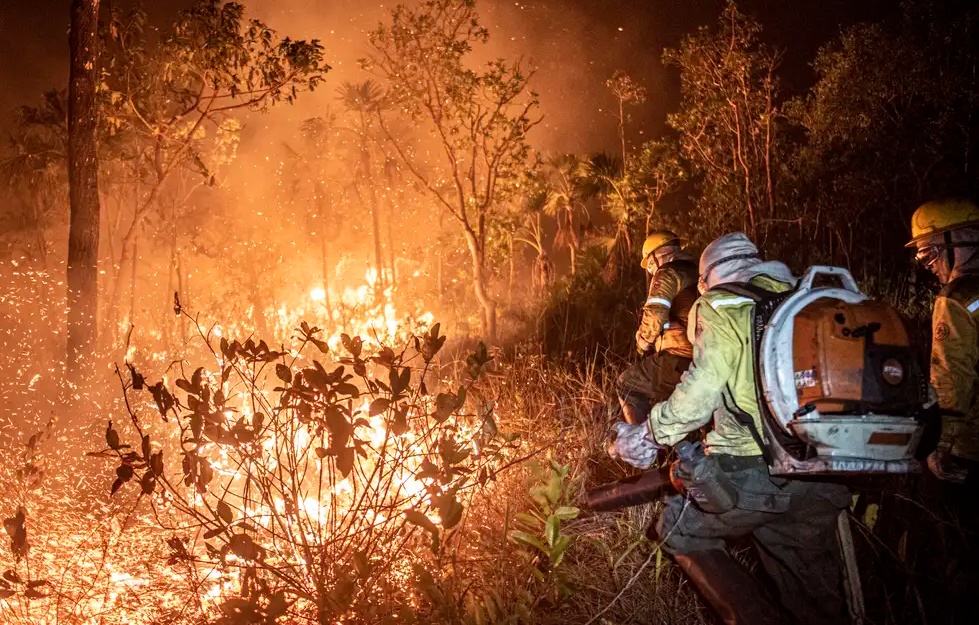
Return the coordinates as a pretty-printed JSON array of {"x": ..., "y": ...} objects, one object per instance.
[
  {"x": 645, "y": 383},
  {"x": 793, "y": 524}
]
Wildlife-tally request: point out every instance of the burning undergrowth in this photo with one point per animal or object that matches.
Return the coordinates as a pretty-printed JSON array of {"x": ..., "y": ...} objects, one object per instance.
[{"x": 332, "y": 478}]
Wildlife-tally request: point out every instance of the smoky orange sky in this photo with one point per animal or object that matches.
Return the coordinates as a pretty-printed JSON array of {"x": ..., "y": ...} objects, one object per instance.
[{"x": 574, "y": 46}]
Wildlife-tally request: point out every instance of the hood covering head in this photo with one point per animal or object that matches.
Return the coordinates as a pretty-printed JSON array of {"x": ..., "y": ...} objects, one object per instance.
[
  {"x": 734, "y": 258},
  {"x": 956, "y": 253}
]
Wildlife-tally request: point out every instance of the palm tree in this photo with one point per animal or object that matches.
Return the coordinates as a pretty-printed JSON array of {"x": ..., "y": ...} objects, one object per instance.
[
  {"x": 605, "y": 181},
  {"x": 568, "y": 179},
  {"x": 533, "y": 236}
]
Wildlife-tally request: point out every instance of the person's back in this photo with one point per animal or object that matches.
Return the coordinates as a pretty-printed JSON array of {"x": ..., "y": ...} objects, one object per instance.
[
  {"x": 661, "y": 340},
  {"x": 671, "y": 294}
]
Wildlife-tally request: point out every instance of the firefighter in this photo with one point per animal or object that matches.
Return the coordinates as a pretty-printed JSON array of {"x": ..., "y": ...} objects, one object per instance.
[
  {"x": 946, "y": 237},
  {"x": 793, "y": 522},
  {"x": 664, "y": 350}
]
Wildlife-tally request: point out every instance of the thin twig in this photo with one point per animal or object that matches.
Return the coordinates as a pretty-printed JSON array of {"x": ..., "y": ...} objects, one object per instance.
[{"x": 642, "y": 567}]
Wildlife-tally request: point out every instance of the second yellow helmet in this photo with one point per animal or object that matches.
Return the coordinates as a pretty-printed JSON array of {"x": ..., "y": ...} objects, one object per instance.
[
  {"x": 656, "y": 240},
  {"x": 933, "y": 218}
]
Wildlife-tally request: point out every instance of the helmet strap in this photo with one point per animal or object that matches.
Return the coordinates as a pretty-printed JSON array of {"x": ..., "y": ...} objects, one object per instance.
[{"x": 949, "y": 250}]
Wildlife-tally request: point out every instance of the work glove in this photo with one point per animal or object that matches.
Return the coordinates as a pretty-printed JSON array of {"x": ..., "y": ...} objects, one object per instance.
[
  {"x": 642, "y": 345},
  {"x": 947, "y": 467},
  {"x": 635, "y": 445}
]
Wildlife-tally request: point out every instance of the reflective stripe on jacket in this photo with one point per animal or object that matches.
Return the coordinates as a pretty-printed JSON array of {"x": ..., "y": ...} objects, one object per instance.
[
  {"x": 721, "y": 380},
  {"x": 672, "y": 291},
  {"x": 955, "y": 363}
]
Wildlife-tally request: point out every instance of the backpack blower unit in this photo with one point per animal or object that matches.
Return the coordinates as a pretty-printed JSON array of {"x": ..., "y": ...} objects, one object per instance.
[{"x": 841, "y": 389}]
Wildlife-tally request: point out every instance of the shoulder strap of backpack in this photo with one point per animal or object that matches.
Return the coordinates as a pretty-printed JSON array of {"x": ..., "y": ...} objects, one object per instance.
[
  {"x": 746, "y": 421},
  {"x": 745, "y": 289}
]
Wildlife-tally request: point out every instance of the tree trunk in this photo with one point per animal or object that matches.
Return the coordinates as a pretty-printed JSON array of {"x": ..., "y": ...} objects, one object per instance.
[
  {"x": 368, "y": 178},
  {"x": 184, "y": 300},
  {"x": 132, "y": 285},
  {"x": 392, "y": 257},
  {"x": 325, "y": 253},
  {"x": 488, "y": 316},
  {"x": 378, "y": 257},
  {"x": 83, "y": 189},
  {"x": 509, "y": 289},
  {"x": 440, "y": 256}
]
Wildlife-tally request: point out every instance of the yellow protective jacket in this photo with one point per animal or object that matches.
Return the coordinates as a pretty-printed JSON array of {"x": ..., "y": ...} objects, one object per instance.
[
  {"x": 721, "y": 380},
  {"x": 672, "y": 292},
  {"x": 955, "y": 363}
]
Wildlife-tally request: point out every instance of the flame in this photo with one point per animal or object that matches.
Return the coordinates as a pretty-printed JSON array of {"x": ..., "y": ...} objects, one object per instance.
[{"x": 130, "y": 566}]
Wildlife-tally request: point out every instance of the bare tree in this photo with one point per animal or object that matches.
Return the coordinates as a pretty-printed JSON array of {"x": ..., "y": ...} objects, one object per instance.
[
  {"x": 729, "y": 120},
  {"x": 479, "y": 120},
  {"x": 626, "y": 91},
  {"x": 167, "y": 93}
]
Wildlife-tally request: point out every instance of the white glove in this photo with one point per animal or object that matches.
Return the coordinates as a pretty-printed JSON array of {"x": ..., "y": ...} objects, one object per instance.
[{"x": 635, "y": 445}]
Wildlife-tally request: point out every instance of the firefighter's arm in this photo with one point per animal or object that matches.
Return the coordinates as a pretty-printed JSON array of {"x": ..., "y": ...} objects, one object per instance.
[
  {"x": 693, "y": 401},
  {"x": 656, "y": 310},
  {"x": 954, "y": 354}
]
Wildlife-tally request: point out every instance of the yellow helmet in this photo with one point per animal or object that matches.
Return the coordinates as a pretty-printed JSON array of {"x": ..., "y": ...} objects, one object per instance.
[
  {"x": 933, "y": 218},
  {"x": 655, "y": 241}
]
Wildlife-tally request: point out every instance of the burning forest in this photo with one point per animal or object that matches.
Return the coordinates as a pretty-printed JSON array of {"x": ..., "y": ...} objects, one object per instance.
[{"x": 372, "y": 314}]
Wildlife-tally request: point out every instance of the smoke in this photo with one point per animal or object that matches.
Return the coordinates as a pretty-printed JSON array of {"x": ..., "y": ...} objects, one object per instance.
[{"x": 571, "y": 50}]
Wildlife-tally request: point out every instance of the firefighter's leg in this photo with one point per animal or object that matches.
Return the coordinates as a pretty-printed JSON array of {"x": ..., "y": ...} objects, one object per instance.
[
  {"x": 632, "y": 388},
  {"x": 800, "y": 552},
  {"x": 696, "y": 540},
  {"x": 665, "y": 374},
  {"x": 734, "y": 596},
  {"x": 647, "y": 382}
]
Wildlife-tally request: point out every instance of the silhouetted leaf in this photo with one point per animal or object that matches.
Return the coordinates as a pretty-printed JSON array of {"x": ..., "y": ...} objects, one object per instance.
[
  {"x": 156, "y": 463},
  {"x": 148, "y": 482},
  {"x": 111, "y": 437},
  {"x": 362, "y": 564},
  {"x": 320, "y": 345},
  {"x": 417, "y": 518},
  {"x": 225, "y": 512},
  {"x": 399, "y": 425},
  {"x": 445, "y": 405},
  {"x": 345, "y": 461},
  {"x": 124, "y": 472},
  {"x": 277, "y": 606},
  {"x": 379, "y": 406}
]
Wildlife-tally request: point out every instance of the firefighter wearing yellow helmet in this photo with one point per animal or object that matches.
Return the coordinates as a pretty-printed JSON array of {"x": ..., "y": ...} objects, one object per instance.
[
  {"x": 661, "y": 340},
  {"x": 945, "y": 235}
]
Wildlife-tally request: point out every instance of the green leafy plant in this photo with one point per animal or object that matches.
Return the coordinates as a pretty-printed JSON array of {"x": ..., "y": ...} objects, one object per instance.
[
  {"x": 311, "y": 485},
  {"x": 541, "y": 534}
]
